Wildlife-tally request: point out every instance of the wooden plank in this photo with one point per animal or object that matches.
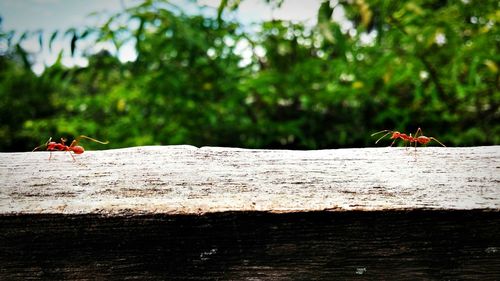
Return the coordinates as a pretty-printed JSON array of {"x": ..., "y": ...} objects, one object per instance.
[
  {"x": 355, "y": 245},
  {"x": 190, "y": 180}
]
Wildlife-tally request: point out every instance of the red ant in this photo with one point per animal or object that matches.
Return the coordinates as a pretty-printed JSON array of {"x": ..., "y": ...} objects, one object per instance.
[
  {"x": 407, "y": 138},
  {"x": 74, "y": 147}
]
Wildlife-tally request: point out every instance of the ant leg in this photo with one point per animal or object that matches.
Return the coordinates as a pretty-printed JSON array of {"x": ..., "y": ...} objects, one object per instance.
[
  {"x": 394, "y": 141},
  {"x": 418, "y": 130},
  {"x": 437, "y": 141},
  {"x": 70, "y": 154},
  {"x": 416, "y": 142}
]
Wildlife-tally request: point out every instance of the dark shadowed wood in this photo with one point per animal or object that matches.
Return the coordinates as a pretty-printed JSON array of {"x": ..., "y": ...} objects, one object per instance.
[
  {"x": 417, "y": 245},
  {"x": 184, "y": 213}
]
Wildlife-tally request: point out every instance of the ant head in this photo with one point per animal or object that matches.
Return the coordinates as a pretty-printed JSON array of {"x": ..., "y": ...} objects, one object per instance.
[
  {"x": 51, "y": 145},
  {"x": 395, "y": 135},
  {"x": 77, "y": 149}
]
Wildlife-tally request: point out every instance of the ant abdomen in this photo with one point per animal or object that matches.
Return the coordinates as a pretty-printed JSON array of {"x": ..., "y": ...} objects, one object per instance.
[{"x": 77, "y": 149}]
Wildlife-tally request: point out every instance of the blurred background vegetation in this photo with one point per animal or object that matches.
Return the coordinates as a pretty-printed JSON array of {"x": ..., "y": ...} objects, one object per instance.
[{"x": 389, "y": 65}]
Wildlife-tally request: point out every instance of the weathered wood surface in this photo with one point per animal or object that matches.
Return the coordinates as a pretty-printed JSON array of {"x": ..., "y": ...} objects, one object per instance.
[
  {"x": 190, "y": 180},
  {"x": 267, "y": 214}
]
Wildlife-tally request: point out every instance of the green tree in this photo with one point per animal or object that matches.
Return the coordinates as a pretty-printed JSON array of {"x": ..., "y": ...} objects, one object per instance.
[{"x": 386, "y": 65}]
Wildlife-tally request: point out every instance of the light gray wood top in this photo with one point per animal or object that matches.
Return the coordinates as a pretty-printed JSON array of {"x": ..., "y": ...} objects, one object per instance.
[{"x": 190, "y": 180}]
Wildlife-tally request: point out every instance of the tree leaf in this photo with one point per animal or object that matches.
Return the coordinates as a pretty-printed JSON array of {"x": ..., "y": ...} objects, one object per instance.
[
  {"x": 40, "y": 39},
  {"x": 222, "y": 6},
  {"x": 325, "y": 12},
  {"x": 85, "y": 34},
  {"x": 23, "y": 36},
  {"x": 52, "y": 38},
  {"x": 24, "y": 56},
  {"x": 73, "y": 43}
]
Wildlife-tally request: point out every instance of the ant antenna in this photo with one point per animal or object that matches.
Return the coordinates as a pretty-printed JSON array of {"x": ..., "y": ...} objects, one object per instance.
[
  {"x": 45, "y": 144},
  {"x": 75, "y": 141},
  {"x": 387, "y": 133},
  {"x": 432, "y": 138},
  {"x": 89, "y": 138}
]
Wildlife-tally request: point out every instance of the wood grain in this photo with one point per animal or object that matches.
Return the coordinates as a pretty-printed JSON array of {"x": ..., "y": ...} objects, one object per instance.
[
  {"x": 186, "y": 213},
  {"x": 190, "y": 180}
]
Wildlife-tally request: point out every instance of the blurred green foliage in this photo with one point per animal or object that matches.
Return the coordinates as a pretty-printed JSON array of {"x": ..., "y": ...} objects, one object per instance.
[{"x": 207, "y": 81}]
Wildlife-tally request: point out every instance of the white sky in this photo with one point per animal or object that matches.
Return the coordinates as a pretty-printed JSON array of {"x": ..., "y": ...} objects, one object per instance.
[{"x": 51, "y": 15}]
